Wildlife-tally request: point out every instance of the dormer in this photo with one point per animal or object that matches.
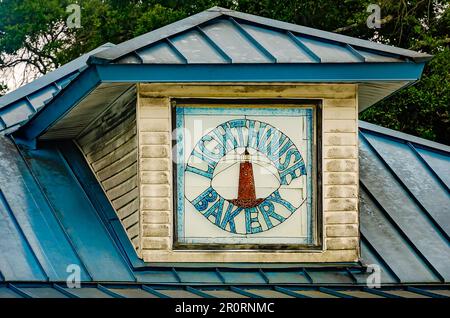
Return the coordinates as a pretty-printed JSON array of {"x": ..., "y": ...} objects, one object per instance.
[{"x": 226, "y": 137}]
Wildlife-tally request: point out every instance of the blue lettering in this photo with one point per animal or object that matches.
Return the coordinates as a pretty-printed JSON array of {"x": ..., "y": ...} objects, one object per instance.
[
  {"x": 238, "y": 124},
  {"x": 276, "y": 197},
  {"x": 209, "y": 161},
  {"x": 268, "y": 211},
  {"x": 252, "y": 224},
  {"x": 204, "y": 199},
  {"x": 229, "y": 218},
  {"x": 294, "y": 172},
  {"x": 292, "y": 156},
  {"x": 207, "y": 174},
  {"x": 216, "y": 211}
]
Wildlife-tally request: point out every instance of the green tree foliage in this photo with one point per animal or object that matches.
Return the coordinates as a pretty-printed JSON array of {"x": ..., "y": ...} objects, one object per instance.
[
  {"x": 3, "y": 89},
  {"x": 34, "y": 32},
  {"x": 423, "y": 109}
]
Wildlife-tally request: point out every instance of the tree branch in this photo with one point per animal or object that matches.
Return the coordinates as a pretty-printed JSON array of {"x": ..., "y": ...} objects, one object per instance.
[{"x": 356, "y": 24}]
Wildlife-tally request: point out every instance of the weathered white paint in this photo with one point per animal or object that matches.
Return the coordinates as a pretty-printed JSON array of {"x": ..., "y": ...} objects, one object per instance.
[
  {"x": 155, "y": 172},
  {"x": 110, "y": 148}
]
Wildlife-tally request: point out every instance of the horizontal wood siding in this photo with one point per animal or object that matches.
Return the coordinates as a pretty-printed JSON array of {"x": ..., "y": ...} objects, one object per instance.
[{"x": 110, "y": 147}]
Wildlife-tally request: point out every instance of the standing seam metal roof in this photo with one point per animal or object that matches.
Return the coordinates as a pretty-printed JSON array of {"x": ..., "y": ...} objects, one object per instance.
[{"x": 221, "y": 35}]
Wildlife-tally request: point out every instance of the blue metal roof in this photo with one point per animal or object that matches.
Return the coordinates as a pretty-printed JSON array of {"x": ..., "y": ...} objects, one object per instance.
[
  {"x": 405, "y": 204},
  {"x": 53, "y": 213}
]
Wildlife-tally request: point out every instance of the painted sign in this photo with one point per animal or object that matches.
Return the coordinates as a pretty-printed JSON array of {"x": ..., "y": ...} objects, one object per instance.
[{"x": 245, "y": 175}]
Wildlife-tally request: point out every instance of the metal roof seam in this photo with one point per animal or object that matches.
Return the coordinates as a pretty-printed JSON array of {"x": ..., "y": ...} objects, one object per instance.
[
  {"x": 19, "y": 291},
  {"x": 221, "y": 277},
  {"x": 429, "y": 168},
  {"x": 289, "y": 292},
  {"x": 334, "y": 293},
  {"x": 417, "y": 56},
  {"x": 422, "y": 208},
  {"x": 208, "y": 15},
  {"x": 244, "y": 292},
  {"x": 71, "y": 69},
  {"x": 306, "y": 274},
  {"x": 115, "y": 243},
  {"x": 30, "y": 105},
  {"x": 152, "y": 37},
  {"x": 177, "y": 276},
  {"x": 176, "y": 51},
  {"x": 264, "y": 276},
  {"x": 349, "y": 272},
  {"x": 76, "y": 90},
  {"x": 109, "y": 292},
  {"x": 64, "y": 291},
  {"x": 214, "y": 45},
  {"x": 400, "y": 231},
  {"x": 378, "y": 255},
  {"x": 355, "y": 53},
  {"x": 154, "y": 292},
  {"x": 253, "y": 41},
  {"x": 52, "y": 209},
  {"x": 397, "y": 135},
  {"x": 424, "y": 292},
  {"x": 118, "y": 235},
  {"x": 198, "y": 292},
  {"x": 57, "y": 86},
  {"x": 31, "y": 290},
  {"x": 380, "y": 293},
  {"x": 16, "y": 223},
  {"x": 303, "y": 47},
  {"x": 141, "y": 60}
]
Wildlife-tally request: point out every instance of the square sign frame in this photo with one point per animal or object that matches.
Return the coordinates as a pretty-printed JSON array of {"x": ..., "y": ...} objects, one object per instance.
[{"x": 187, "y": 222}]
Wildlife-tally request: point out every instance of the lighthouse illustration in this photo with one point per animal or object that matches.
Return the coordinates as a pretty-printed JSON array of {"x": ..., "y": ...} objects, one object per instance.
[{"x": 246, "y": 190}]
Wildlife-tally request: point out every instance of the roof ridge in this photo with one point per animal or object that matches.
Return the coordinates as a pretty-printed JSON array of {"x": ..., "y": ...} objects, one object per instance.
[{"x": 219, "y": 9}]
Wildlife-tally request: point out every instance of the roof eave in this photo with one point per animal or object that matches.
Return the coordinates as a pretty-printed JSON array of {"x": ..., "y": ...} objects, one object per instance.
[
  {"x": 423, "y": 58},
  {"x": 191, "y": 73}
]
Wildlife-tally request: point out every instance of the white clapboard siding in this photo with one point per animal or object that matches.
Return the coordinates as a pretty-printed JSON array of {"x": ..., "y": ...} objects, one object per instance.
[{"x": 110, "y": 147}]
